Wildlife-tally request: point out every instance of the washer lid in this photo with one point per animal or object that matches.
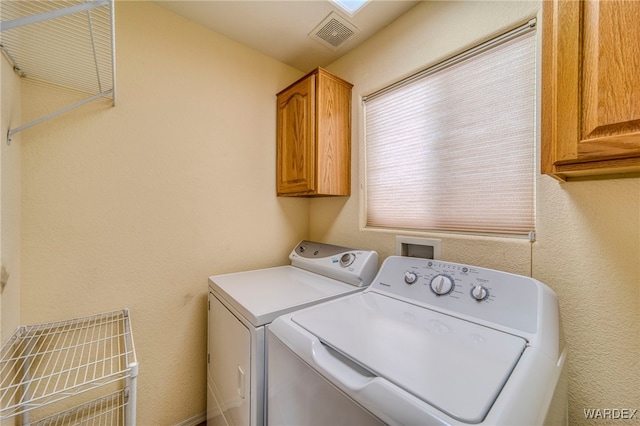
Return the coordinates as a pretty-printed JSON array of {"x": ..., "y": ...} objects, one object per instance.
[
  {"x": 262, "y": 295},
  {"x": 454, "y": 365}
]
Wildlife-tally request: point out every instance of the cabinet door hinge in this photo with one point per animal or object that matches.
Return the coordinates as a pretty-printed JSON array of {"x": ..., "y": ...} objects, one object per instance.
[{"x": 208, "y": 358}]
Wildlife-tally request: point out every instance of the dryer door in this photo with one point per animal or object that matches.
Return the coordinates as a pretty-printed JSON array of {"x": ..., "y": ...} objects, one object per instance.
[{"x": 229, "y": 367}]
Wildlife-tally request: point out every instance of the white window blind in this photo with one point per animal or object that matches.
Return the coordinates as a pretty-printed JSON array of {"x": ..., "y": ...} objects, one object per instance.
[{"x": 453, "y": 147}]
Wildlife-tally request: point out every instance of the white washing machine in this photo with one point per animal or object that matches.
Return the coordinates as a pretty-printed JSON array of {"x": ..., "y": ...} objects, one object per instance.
[
  {"x": 428, "y": 343},
  {"x": 242, "y": 304}
]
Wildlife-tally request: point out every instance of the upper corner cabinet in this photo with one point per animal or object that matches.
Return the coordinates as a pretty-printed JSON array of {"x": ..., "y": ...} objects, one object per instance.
[
  {"x": 590, "y": 88},
  {"x": 313, "y": 135}
]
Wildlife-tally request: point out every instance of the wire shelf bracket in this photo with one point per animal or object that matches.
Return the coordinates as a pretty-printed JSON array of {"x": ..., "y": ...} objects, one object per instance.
[{"x": 70, "y": 44}]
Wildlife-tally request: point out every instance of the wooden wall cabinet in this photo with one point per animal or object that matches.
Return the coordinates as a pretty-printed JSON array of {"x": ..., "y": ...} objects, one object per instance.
[
  {"x": 313, "y": 134},
  {"x": 590, "y": 88}
]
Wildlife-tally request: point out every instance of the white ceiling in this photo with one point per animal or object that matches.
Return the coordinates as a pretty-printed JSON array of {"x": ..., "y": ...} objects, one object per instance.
[{"x": 280, "y": 29}]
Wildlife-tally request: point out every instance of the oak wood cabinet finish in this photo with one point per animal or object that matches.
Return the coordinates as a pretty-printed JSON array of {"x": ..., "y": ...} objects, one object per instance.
[
  {"x": 590, "y": 88},
  {"x": 313, "y": 135}
]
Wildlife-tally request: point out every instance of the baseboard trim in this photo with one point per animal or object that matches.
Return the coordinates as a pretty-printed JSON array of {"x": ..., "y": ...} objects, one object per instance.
[{"x": 194, "y": 421}]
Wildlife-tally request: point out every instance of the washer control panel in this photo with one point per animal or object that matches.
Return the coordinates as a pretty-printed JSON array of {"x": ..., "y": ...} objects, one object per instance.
[
  {"x": 499, "y": 297},
  {"x": 353, "y": 266}
]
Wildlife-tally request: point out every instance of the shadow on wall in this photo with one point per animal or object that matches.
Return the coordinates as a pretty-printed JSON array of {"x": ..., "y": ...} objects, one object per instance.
[{"x": 325, "y": 212}]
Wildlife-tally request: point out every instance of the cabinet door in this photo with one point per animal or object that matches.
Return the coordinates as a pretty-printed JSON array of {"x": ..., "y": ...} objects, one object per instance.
[
  {"x": 591, "y": 87},
  {"x": 295, "y": 159},
  {"x": 333, "y": 139}
]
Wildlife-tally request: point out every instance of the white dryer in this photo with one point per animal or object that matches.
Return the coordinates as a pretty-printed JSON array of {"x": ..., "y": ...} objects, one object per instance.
[
  {"x": 428, "y": 343},
  {"x": 242, "y": 304}
]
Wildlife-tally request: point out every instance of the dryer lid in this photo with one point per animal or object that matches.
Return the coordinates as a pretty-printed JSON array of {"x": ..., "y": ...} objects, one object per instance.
[
  {"x": 454, "y": 365},
  {"x": 262, "y": 295}
]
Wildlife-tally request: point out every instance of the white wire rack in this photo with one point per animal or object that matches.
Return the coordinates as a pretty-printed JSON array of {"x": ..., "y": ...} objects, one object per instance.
[
  {"x": 69, "y": 43},
  {"x": 47, "y": 363},
  {"x": 105, "y": 411}
]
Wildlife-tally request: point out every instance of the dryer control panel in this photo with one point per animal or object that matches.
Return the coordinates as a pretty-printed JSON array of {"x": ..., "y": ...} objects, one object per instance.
[
  {"x": 462, "y": 290},
  {"x": 353, "y": 266}
]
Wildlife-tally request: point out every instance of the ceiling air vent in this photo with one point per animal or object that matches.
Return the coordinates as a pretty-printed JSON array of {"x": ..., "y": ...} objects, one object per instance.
[{"x": 333, "y": 31}]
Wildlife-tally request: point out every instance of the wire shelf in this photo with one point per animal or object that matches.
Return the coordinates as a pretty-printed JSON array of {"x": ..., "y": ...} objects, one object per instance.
[
  {"x": 69, "y": 43},
  {"x": 105, "y": 411},
  {"x": 45, "y": 363}
]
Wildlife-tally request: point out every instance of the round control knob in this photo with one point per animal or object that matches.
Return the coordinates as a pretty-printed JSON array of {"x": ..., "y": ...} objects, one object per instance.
[
  {"x": 441, "y": 284},
  {"x": 479, "y": 292},
  {"x": 410, "y": 277},
  {"x": 347, "y": 259}
]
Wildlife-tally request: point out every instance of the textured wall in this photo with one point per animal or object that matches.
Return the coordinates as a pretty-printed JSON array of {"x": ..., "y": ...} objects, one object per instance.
[
  {"x": 588, "y": 247},
  {"x": 589, "y": 252},
  {"x": 9, "y": 203},
  {"x": 135, "y": 206}
]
